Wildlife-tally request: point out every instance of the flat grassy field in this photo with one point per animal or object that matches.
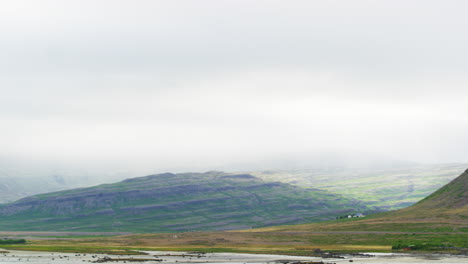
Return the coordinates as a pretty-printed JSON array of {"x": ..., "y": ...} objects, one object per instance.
[{"x": 292, "y": 243}]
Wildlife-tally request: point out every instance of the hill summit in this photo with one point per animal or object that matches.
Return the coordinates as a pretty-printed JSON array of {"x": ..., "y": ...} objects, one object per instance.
[{"x": 175, "y": 203}]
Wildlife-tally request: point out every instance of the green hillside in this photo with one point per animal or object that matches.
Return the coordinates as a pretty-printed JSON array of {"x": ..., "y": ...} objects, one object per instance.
[
  {"x": 445, "y": 210},
  {"x": 449, "y": 202},
  {"x": 387, "y": 188},
  {"x": 438, "y": 223},
  {"x": 174, "y": 203}
]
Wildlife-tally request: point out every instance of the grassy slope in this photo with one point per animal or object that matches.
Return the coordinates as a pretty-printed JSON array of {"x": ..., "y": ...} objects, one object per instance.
[
  {"x": 446, "y": 210},
  {"x": 390, "y": 189},
  {"x": 175, "y": 202},
  {"x": 450, "y": 201},
  {"x": 438, "y": 221}
]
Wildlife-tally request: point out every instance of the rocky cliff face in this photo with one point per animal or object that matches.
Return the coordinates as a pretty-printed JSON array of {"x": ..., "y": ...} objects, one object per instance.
[{"x": 175, "y": 202}]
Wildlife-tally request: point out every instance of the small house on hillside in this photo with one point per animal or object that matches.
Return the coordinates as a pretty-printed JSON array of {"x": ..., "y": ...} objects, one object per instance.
[{"x": 350, "y": 216}]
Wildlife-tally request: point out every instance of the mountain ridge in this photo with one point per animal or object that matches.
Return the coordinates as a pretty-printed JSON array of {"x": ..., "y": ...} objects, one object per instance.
[{"x": 175, "y": 202}]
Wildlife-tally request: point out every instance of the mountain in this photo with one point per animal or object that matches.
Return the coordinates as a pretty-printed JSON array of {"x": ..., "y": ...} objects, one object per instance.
[
  {"x": 449, "y": 202},
  {"x": 14, "y": 188},
  {"x": 445, "y": 210},
  {"x": 389, "y": 188},
  {"x": 19, "y": 180},
  {"x": 386, "y": 186},
  {"x": 173, "y": 203}
]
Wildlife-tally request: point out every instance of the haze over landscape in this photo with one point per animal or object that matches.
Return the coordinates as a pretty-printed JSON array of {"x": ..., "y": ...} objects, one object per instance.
[
  {"x": 152, "y": 86},
  {"x": 298, "y": 132}
]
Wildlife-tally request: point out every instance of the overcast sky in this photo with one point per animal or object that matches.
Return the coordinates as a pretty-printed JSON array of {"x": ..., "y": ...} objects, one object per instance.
[{"x": 206, "y": 84}]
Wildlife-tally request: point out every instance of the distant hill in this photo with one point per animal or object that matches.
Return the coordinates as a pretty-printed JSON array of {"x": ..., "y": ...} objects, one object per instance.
[
  {"x": 173, "y": 203},
  {"x": 449, "y": 202},
  {"x": 18, "y": 181},
  {"x": 388, "y": 188},
  {"x": 444, "y": 210}
]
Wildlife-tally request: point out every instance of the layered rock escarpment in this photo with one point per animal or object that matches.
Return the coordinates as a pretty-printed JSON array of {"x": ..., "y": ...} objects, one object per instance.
[{"x": 175, "y": 202}]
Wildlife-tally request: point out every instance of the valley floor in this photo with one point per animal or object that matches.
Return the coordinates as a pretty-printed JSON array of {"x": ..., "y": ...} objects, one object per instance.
[{"x": 287, "y": 243}]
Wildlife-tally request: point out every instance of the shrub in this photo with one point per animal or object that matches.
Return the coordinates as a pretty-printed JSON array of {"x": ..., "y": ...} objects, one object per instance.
[{"x": 12, "y": 241}]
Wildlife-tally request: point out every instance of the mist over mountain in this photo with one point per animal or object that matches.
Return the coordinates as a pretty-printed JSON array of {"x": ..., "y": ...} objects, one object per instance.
[
  {"x": 24, "y": 177},
  {"x": 387, "y": 187},
  {"x": 19, "y": 179},
  {"x": 449, "y": 202},
  {"x": 147, "y": 87},
  {"x": 379, "y": 182}
]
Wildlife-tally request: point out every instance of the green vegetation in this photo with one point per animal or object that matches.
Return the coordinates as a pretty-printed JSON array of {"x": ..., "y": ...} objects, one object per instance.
[
  {"x": 71, "y": 248},
  {"x": 7, "y": 241},
  {"x": 389, "y": 189},
  {"x": 421, "y": 246},
  {"x": 176, "y": 203},
  {"x": 293, "y": 243},
  {"x": 437, "y": 223}
]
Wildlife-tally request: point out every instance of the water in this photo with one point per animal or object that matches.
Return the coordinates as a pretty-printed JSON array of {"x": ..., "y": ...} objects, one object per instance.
[{"x": 15, "y": 257}]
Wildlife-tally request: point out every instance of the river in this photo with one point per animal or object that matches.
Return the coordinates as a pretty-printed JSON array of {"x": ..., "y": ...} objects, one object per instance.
[{"x": 15, "y": 257}]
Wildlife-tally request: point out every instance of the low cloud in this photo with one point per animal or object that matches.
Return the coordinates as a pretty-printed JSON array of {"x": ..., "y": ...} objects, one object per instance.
[{"x": 157, "y": 86}]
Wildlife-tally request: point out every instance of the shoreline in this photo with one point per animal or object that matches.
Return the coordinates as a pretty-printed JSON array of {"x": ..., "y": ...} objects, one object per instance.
[{"x": 172, "y": 257}]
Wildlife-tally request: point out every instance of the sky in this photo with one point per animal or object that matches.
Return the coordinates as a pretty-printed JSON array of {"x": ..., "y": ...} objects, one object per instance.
[{"x": 216, "y": 84}]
